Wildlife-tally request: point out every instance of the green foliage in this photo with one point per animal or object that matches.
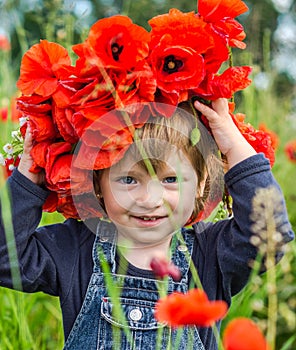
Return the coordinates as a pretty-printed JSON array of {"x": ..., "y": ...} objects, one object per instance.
[{"x": 29, "y": 321}]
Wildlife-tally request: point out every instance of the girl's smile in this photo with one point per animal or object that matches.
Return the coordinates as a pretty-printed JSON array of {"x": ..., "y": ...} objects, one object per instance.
[{"x": 147, "y": 209}]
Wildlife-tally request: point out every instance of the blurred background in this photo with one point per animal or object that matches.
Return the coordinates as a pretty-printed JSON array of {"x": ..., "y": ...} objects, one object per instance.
[{"x": 34, "y": 322}]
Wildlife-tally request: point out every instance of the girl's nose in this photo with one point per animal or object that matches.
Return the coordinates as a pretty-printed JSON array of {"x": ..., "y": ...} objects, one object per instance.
[{"x": 151, "y": 195}]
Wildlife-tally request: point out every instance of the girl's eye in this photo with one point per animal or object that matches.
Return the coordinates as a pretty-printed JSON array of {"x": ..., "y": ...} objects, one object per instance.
[
  {"x": 127, "y": 180},
  {"x": 170, "y": 179}
]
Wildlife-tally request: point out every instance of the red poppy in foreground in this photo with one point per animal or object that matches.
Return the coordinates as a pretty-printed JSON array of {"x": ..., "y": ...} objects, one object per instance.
[
  {"x": 4, "y": 43},
  {"x": 162, "y": 268},
  {"x": 243, "y": 334},
  {"x": 10, "y": 112},
  {"x": 290, "y": 151},
  {"x": 192, "y": 308}
]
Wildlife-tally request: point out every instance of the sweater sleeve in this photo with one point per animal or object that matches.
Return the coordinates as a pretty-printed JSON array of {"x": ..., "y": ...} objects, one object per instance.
[
  {"x": 38, "y": 249},
  {"x": 228, "y": 242}
]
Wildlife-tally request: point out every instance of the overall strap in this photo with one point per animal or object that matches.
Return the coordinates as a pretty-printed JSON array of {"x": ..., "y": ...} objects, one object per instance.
[
  {"x": 181, "y": 250},
  {"x": 105, "y": 245}
]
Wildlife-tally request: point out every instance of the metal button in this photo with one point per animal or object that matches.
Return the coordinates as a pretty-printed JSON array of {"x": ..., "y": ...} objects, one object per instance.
[
  {"x": 135, "y": 314},
  {"x": 182, "y": 248}
]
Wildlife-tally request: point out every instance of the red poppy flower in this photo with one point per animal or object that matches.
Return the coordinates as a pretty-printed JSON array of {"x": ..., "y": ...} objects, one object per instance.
[
  {"x": 137, "y": 86},
  {"x": 177, "y": 68},
  {"x": 42, "y": 127},
  {"x": 83, "y": 206},
  {"x": 231, "y": 80},
  {"x": 50, "y": 205},
  {"x": 258, "y": 139},
  {"x": 243, "y": 334},
  {"x": 42, "y": 65},
  {"x": 233, "y": 30},
  {"x": 4, "y": 43},
  {"x": 64, "y": 178},
  {"x": 10, "y": 164},
  {"x": 290, "y": 150},
  {"x": 61, "y": 176},
  {"x": 274, "y": 137},
  {"x": 38, "y": 153},
  {"x": 85, "y": 92},
  {"x": 162, "y": 268},
  {"x": 213, "y": 10},
  {"x": 178, "y": 43},
  {"x": 34, "y": 104},
  {"x": 63, "y": 120},
  {"x": 114, "y": 42},
  {"x": 112, "y": 149},
  {"x": 10, "y": 112},
  {"x": 214, "y": 61},
  {"x": 192, "y": 308},
  {"x": 226, "y": 84},
  {"x": 220, "y": 16},
  {"x": 79, "y": 207},
  {"x": 66, "y": 207},
  {"x": 180, "y": 29},
  {"x": 77, "y": 102},
  {"x": 166, "y": 103}
]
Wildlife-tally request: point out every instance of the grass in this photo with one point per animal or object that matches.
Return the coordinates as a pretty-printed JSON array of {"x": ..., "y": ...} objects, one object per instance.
[{"x": 29, "y": 321}]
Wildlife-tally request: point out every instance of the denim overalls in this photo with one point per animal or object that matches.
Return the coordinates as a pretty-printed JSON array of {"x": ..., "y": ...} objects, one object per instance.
[{"x": 99, "y": 327}]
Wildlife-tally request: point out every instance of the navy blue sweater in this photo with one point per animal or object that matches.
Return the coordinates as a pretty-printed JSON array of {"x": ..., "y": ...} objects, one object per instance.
[{"x": 57, "y": 259}]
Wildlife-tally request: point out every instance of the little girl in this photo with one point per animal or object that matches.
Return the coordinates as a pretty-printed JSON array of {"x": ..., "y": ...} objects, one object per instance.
[{"x": 153, "y": 192}]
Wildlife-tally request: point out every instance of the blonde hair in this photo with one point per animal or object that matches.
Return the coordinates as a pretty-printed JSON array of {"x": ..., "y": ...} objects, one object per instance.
[{"x": 153, "y": 143}]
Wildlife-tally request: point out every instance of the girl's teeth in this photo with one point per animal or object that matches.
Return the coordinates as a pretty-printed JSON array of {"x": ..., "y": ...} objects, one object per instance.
[{"x": 147, "y": 219}]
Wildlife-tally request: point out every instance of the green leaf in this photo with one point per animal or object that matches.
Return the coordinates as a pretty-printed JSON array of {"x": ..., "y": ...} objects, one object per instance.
[{"x": 195, "y": 136}]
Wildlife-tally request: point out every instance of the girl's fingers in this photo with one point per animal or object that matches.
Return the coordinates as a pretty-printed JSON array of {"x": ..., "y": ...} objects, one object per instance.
[
  {"x": 205, "y": 110},
  {"x": 28, "y": 141},
  {"x": 219, "y": 109},
  {"x": 221, "y": 106}
]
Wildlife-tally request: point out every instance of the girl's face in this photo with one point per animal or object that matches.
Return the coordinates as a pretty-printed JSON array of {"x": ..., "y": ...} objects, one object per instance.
[{"x": 148, "y": 209}]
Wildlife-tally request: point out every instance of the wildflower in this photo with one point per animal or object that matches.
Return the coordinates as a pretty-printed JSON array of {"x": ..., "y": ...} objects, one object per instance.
[
  {"x": 290, "y": 151},
  {"x": 10, "y": 164},
  {"x": 4, "y": 43},
  {"x": 9, "y": 110},
  {"x": 162, "y": 267},
  {"x": 22, "y": 121},
  {"x": 192, "y": 308},
  {"x": 8, "y": 148},
  {"x": 243, "y": 334},
  {"x": 2, "y": 159}
]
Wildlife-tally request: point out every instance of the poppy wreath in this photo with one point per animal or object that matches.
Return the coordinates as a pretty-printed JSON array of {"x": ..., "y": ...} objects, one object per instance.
[{"x": 122, "y": 67}]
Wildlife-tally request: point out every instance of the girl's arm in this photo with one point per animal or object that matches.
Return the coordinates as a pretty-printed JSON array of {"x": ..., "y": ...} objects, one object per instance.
[{"x": 226, "y": 249}]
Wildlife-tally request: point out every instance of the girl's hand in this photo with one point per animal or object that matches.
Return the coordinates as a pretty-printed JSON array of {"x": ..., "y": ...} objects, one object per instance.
[
  {"x": 27, "y": 161},
  {"x": 227, "y": 136}
]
